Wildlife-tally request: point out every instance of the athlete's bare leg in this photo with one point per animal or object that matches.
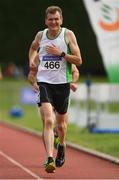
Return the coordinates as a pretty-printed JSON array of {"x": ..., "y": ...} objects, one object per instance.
[
  {"x": 48, "y": 135},
  {"x": 61, "y": 124}
]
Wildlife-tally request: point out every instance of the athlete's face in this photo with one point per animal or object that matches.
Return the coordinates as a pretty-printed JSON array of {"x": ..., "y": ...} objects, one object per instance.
[{"x": 53, "y": 21}]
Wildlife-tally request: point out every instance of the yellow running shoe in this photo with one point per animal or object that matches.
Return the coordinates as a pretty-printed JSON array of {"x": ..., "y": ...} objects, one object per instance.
[{"x": 50, "y": 165}]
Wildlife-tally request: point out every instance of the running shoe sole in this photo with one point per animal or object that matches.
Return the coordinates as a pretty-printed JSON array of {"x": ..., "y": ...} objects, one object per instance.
[{"x": 50, "y": 168}]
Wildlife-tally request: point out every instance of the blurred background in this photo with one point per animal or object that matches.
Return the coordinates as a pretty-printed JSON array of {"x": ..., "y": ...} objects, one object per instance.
[
  {"x": 20, "y": 21},
  {"x": 94, "y": 107}
]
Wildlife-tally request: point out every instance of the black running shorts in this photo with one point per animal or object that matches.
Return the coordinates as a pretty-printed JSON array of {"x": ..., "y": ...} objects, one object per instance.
[{"x": 56, "y": 94}]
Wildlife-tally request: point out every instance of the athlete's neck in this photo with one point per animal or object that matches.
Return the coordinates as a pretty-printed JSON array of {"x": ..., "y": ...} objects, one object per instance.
[{"x": 53, "y": 33}]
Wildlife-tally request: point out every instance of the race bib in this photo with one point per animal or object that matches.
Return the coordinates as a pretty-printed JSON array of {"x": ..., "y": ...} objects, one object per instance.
[{"x": 51, "y": 62}]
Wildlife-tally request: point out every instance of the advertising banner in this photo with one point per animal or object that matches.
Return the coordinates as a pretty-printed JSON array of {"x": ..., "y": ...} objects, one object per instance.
[{"x": 104, "y": 18}]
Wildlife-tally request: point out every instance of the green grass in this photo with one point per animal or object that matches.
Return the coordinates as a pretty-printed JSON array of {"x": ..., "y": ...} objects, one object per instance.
[
  {"x": 9, "y": 96},
  {"x": 106, "y": 143}
]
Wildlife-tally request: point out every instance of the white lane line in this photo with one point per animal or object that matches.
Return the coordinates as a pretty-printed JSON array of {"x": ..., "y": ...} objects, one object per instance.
[{"x": 19, "y": 165}]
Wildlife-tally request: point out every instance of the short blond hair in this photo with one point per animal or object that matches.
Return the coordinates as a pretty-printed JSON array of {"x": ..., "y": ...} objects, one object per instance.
[{"x": 52, "y": 10}]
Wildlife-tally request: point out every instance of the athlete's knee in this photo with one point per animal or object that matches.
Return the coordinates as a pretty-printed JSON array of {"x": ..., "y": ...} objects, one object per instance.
[
  {"x": 48, "y": 122},
  {"x": 61, "y": 126}
]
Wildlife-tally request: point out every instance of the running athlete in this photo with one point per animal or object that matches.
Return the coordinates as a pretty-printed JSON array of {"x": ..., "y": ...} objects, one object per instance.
[
  {"x": 58, "y": 51},
  {"x": 33, "y": 81}
]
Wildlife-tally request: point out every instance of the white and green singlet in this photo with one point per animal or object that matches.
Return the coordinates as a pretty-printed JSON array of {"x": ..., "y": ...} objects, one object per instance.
[{"x": 54, "y": 69}]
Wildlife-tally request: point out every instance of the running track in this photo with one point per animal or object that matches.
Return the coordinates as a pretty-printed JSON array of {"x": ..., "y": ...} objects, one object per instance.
[{"x": 22, "y": 157}]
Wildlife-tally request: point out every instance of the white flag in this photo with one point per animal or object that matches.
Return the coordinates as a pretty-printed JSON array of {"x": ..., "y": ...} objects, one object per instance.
[{"x": 104, "y": 18}]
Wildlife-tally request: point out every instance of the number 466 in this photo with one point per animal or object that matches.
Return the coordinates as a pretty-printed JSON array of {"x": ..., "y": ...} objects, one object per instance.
[{"x": 52, "y": 65}]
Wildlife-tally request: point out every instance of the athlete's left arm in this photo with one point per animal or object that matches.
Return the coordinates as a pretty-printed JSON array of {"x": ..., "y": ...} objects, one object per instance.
[
  {"x": 75, "y": 56},
  {"x": 75, "y": 76}
]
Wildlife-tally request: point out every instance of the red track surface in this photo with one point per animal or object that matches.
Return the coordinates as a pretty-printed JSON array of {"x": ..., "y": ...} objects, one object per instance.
[{"x": 22, "y": 157}]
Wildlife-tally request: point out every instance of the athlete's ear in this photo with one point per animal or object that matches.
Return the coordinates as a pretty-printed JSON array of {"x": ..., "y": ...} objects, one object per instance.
[{"x": 61, "y": 21}]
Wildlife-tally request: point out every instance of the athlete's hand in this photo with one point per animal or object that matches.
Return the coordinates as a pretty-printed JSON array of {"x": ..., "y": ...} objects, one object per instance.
[
  {"x": 35, "y": 87},
  {"x": 54, "y": 50},
  {"x": 74, "y": 86}
]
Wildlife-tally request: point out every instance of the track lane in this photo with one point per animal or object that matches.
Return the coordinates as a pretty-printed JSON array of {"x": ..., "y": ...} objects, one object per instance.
[
  {"x": 28, "y": 150},
  {"x": 7, "y": 161}
]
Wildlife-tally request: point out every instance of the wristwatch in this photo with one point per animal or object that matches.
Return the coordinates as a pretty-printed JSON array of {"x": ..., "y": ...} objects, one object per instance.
[{"x": 63, "y": 54}]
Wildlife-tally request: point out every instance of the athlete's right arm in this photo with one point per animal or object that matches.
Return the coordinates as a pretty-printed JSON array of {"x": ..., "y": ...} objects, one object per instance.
[
  {"x": 33, "y": 73},
  {"x": 32, "y": 79},
  {"x": 34, "y": 48}
]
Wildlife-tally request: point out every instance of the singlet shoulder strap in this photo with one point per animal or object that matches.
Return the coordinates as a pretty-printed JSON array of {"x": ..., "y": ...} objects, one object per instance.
[
  {"x": 65, "y": 35},
  {"x": 43, "y": 33},
  {"x": 66, "y": 40}
]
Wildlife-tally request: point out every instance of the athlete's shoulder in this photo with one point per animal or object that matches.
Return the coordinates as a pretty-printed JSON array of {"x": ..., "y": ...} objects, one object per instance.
[
  {"x": 39, "y": 35},
  {"x": 69, "y": 32}
]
